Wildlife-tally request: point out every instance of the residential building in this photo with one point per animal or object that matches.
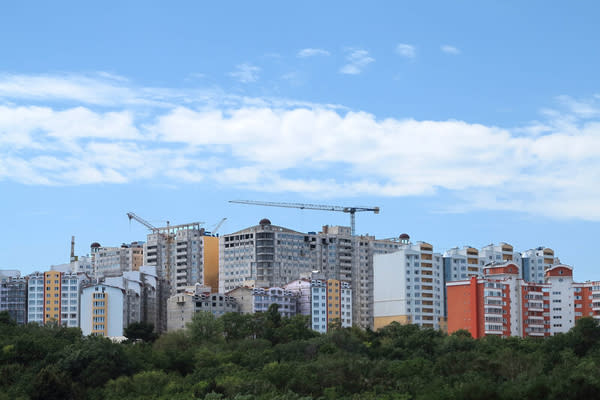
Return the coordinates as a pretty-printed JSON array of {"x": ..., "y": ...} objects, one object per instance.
[
  {"x": 105, "y": 310},
  {"x": 13, "y": 295},
  {"x": 113, "y": 261},
  {"x": 502, "y": 303},
  {"x": 183, "y": 255},
  {"x": 462, "y": 263},
  {"x": 182, "y": 306},
  {"x": 302, "y": 289},
  {"x": 143, "y": 294},
  {"x": 536, "y": 262},
  {"x": 265, "y": 255},
  {"x": 331, "y": 304},
  {"x": 256, "y": 300},
  {"x": 408, "y": 287},
  {"x": 499, "y": 253},
  {"x": 53, "y": 296}
]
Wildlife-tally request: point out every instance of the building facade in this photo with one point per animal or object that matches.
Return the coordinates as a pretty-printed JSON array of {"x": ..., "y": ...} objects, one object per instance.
[
  {"x": 53, "y": 296},
  {"x": 183, "y": 256},
  {"x": 257, "y": 300},
  {"x": 183, "y": 306},
  {"x": 408, "y": 287},
  {"x": 536, "y": 262},
  {"x": 13, "y": 296},
  {"x": 501, "y": 303},
  {"x": 265, "y": 255},
  {"x": 331, "y": 304},
  {"x": 104, "y": 310}
]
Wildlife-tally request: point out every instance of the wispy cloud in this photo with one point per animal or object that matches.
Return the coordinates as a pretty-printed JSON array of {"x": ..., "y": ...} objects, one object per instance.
[
  {"x": 310, "y": 52},
  {"x": 260, "y": 144},
  {"x": 246, "y": 73},
  {"x": 450, "y": 49},
  {"x": 357, "y": 60},
  {"x": 406, "y": 50}
]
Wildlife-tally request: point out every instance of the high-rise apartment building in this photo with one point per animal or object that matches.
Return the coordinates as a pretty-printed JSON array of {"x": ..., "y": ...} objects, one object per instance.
[
  {"x": 265, "y": 255},
  {"x": 462, "y": 263},
  {"x": 53, "y": 296},
  {"x": 183, "y": 256},
  {"x": 536, "y": 262},
  {"x": 113, "y": 261},
  {"x": 499, "y": 253},
  {"x": 408, "y": 287},
  {"x": 501, "y": 303},
  {"x": 13, "y": 295},
  {"x": 331, "y": 304}
]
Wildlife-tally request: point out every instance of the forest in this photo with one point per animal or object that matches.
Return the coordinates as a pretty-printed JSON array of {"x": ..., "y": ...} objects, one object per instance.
[{"x": 265, "y": 356}]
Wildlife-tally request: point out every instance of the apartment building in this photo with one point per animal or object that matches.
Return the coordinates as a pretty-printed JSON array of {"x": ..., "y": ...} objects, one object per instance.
[
  {"x": 536, "y": 262},
  {"x": 53, "y": 296},
  {"x": 182, "y": 307},
  {"x": 331, "y": 304},
  {"x": 497, "y": 253},
  {"x": 113, "y": 261},
  {"x": 408, "y": 287},
  {"x": 302, "y": 289},
  {"x": 265, "y": 255},
  {"x": 256, "y": 300},
  {"x": 462, "y": 263},
  {"x": 502, "y": 303},
  {"x": 183, "y": 255},
  {"x": 105, "y": 310},
  {"x": 13, "y": 295}
]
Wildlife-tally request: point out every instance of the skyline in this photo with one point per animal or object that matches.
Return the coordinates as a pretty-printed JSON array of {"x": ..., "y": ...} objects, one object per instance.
[{"x": 467, "y": 124}]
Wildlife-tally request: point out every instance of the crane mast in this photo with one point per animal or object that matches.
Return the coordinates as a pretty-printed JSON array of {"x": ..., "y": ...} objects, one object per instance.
[{"x": 321, "y": 207}]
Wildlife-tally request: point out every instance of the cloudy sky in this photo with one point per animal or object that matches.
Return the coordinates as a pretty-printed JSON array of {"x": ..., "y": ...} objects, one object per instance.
[{"x": 467, "y": 123}]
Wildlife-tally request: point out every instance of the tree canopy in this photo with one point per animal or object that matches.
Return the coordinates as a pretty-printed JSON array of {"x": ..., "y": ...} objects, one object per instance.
[{"x": 264, "y": 356}]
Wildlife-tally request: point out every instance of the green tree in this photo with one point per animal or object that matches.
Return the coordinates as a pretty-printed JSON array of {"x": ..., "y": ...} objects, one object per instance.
[
  {"x": 140, "y": 331},
  {"x": 205, "y": 327}
]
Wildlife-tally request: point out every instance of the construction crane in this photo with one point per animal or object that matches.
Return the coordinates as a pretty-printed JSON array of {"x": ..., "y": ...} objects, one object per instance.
[
  {"x": 143, "y": 221},
  {"x": 350, "y": 210},
  {"x": 168, "y": 233},
  {"x": 216, "y": 228}
]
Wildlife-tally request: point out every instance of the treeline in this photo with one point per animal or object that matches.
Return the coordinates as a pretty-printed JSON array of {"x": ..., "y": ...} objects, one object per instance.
[{"x": 264, "y": 356}]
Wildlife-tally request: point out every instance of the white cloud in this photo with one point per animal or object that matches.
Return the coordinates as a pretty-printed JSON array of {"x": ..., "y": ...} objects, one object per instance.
[
  {"x": 549, "y": 167},
  {"x": 246, "y": 73},
  {"x": 357, "y": 60},
  {"x": 309, "y": 52},
  {"x": 406, "y": 50},
  {"x": 450, "y": 49}
]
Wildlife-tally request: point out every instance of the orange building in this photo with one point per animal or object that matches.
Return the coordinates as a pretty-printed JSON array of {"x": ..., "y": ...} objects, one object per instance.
[{"x": 501, "y": 303}]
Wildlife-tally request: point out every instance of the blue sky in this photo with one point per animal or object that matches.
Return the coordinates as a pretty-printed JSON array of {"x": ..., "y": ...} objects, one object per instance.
[{"x": 466, "y": 122}]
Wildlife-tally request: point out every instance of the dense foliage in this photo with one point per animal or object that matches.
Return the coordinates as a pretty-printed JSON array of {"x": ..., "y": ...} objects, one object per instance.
[{"x": 264, "y": 356}]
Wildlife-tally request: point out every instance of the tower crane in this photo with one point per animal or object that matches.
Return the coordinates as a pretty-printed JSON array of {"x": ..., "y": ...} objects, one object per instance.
[
  {"x": 168, "y": 233},
  {"x": 352, "y": 210},
  {"x": 216, "y": 228},
  {"x": 143, "y": 221}
]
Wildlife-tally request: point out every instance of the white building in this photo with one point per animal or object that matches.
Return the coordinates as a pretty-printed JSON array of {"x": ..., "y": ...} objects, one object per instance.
[
  {"x": 408, "y": 287},
  {"x": 104, "y": 310},
  {"x": 536, "y": 262},
  {"x": 499, "y": 253}
]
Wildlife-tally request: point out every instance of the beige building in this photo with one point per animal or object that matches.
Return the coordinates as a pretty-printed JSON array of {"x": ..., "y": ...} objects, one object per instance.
[{"x": 182, "y": 306}]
